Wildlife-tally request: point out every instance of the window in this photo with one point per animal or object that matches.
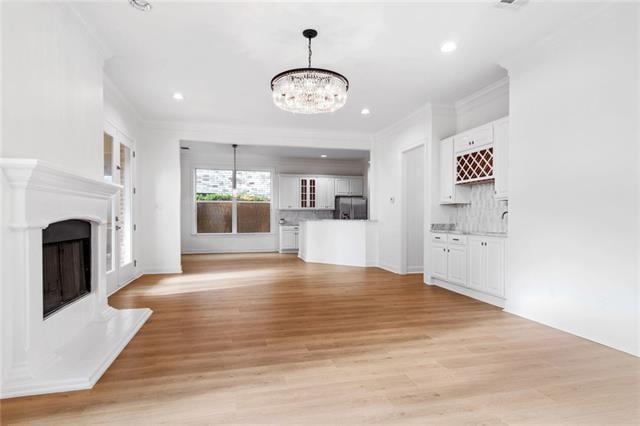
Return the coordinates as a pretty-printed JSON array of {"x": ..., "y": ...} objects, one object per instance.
[{"x": 219, "y": 211}]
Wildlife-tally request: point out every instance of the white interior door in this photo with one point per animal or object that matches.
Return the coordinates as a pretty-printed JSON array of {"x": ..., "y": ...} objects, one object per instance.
[
  {"x": 119, "y": 168},
  {"x": 414, "y": 209}
]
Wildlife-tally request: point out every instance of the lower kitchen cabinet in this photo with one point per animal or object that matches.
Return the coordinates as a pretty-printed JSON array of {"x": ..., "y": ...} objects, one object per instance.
[
  {"x": 475, "y": 262},
  {"x": 289, "y": 238},
  {"x": 487, "y": 265}
]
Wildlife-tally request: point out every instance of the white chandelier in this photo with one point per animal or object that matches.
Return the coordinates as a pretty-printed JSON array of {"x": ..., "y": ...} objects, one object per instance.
[{"x": 309, "y": 90}]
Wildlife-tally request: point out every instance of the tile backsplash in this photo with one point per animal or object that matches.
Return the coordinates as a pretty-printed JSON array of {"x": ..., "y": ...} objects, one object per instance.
[
  {"x": 294, "y": 217},
  {"x": 483, "y": 214}
]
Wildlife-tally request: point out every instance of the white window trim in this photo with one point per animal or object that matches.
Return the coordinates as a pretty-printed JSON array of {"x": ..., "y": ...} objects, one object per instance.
[{"x": 234, "y": 222}]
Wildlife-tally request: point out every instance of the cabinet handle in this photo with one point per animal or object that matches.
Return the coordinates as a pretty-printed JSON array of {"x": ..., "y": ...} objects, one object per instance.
[
  {"x": 444, "y": 250},
  {"x": 456, "y": 239}
]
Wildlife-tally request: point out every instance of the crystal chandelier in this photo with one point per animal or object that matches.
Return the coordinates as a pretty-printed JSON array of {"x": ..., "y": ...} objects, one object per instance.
[{"x": 309, "y": 90}]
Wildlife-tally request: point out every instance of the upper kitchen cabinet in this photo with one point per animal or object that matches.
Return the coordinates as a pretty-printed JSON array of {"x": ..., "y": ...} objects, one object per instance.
[
  {"x": 326, "y": 193},
  {"x": 349, "y": 185},
  {"x": 302, "y": 192},
  {"x": 474, "y": 138},
  {"x": 450, "y": 193},
  {"x": 501, "y": 158},
  {"x": 288, "y": 194}
]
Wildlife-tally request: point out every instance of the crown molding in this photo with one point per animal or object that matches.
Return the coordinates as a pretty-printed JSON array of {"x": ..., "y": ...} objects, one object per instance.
[
  {"x": 398, "y": 126},
  {"x": 103, "y": 48},
  {"x": 483, "y": 95},
  {"x": 109, "y": 88}
]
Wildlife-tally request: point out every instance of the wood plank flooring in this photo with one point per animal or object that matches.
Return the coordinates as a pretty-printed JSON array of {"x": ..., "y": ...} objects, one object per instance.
[{"x": 266, "y": 338}]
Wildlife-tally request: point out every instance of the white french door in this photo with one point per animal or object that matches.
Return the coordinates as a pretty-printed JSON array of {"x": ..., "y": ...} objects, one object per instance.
[{"x": 119, "y": 163}]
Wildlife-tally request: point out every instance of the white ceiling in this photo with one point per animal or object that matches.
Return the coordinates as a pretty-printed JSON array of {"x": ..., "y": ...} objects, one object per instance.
[
  {"x": 222, "y": 56},
  {"x": 196, "y": 147}
]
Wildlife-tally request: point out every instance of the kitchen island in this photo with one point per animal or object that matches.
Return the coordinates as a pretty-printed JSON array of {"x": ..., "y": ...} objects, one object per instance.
[{"x": 338, "y": 242}]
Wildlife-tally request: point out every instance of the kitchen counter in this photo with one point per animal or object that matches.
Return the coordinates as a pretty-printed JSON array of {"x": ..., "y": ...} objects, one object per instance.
[
  {"x": 479, "y": 233},
  {"x": 338, "y": 242}
]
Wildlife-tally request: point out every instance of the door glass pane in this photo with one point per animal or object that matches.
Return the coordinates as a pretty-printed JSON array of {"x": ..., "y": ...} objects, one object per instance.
[
  {"x": 214, "y": 201},
  {"x": 124, "y": 213},
  {"x": 108, "y": 176},
  {"x": 254, "y": 201}
]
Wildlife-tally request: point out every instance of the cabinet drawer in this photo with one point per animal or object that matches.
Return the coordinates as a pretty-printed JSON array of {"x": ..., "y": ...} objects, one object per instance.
[
  {"x": 457, "y": 239},
  {"x": 439, "y": 238},
  {"x": 473, "y": 139}
]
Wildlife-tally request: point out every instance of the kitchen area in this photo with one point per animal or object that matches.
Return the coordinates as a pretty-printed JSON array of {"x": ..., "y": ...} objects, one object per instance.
[{"x": 325, "y": 219}]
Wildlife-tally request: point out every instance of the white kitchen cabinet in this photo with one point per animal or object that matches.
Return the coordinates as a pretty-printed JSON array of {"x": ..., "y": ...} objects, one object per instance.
[
  {"x": 349, "y": 185},
  {"x": 450, "y": 193},
  {"x": 356, "y": 186},
  {"x": 495, "y": 261},
  {"x": 326, "y": 198},
  {"x": 501, "y": 158},
  {"x": 477, "y": 263},
  {"x": 308, "y": 192},
  {"x": 486, "y": 265},
  {"x": 439, "y": 260},
  {"x": 288, "y": 238},
  {"x": 288, "y": 192},
  {"x": 457, "y": 264},
  {"x": 342, "y": 186},
  {"x": 474, "y": 138}
]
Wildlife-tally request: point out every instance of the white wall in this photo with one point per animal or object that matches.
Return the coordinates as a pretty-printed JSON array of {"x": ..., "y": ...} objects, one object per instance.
[
  {"x": 487, "y": 104},
  {"x": 52, "y": 94},
  {"x": 202, "y": 155},
  {"x": 159, "y": 189},
  {"x": 573, "y": 230}
]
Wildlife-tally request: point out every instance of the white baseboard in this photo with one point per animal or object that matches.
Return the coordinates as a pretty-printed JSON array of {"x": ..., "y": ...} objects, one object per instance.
[
  {"x": 138, "y": 275},
  {"x": 155, "y": 271},
  {"x": 478, "y": 295},
  {"x": 229, "y": 251},
  {"x": 415, "y": 270},
  {"x": 388, "y": 268}
]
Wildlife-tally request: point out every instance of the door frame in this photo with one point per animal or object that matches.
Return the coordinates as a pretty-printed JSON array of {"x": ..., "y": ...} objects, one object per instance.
[
  {"x": 422, "y": 143},
  {"x": 120, "y": 276}
]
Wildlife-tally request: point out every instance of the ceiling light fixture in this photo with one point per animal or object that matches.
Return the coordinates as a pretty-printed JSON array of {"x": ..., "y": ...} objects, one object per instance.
[
  {"x": 365, "y": 111},
  {"x": 448, "y": 47},
  {"x": 141, "y": 5},
  {"x": 178, "y": 96},
  {"x": 323, "y": 155},
  {"x": 309, "y": 90}
]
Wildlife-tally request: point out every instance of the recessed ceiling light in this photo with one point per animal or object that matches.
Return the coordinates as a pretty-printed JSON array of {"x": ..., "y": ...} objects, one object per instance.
[
  {"x": 365, "y": 111},
  {"x": 448, "y": 47},
  {"x": 178, "y": 96},
  {"x": 323, "y": 155}
]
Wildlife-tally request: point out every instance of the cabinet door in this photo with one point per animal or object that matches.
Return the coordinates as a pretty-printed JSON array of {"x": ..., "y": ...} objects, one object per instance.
[
  {"x": 326, "y": 193},
  {"x": 288, "y": 240},
  {"x": 457, "y": 264},
  {"x": 477, "y": 264},
  {"x": 475, "y": 138},
  {"x": 342, "y": 186},
  {"x": 296, "y": 239},
  {"x": 439, "y": 261},
  {"x": 495, "y": 264},
  {"x": 304, "y": 193},
  {"x": 446, "y": 171},
  {"x": 312, "y": 193},
  {"x": 501, "y": 158},
  {"x": 356, "y": 186},
  {"x": 288, "y": 192}
]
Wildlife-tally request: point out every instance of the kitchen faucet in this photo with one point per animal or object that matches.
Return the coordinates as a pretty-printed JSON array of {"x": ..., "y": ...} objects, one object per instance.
[{"x": 506, "y": 212}]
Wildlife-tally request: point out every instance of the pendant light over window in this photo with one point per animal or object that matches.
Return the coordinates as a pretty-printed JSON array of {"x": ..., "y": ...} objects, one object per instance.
[{"x": 309, "y": 90}]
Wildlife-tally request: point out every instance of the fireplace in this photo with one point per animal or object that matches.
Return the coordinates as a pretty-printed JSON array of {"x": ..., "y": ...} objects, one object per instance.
[{"x": 66, "y": 264}]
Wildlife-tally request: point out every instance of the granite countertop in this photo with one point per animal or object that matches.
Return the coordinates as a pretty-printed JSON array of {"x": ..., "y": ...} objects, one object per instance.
[{"x": 482, "y": 233}]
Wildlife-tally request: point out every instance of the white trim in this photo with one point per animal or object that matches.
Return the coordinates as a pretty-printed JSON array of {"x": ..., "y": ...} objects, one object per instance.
[
  {"x": 138, "y": 275},
  {"x": 161, "y": 271},
  {"x": 478, "y": 295},
  {"x": 230, "y": 251},
  {"x": 422, "y": 142},
  {"x": 388, "y": 268},
  {"x": 471, "y": 100}
]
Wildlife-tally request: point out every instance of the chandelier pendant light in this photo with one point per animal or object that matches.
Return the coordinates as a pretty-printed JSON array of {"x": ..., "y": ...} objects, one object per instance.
[{"x": 309, "y": 90}]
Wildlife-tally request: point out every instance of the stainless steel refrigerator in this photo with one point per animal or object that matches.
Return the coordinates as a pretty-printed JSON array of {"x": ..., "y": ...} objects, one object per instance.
[{"x": 350, "y": 208}]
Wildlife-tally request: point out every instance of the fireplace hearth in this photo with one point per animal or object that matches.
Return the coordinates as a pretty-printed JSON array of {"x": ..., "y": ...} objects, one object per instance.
[{"x": 66, "y": 264}]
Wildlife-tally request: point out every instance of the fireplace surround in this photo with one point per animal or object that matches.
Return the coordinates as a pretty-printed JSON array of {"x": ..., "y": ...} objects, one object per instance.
[{"x": 73, "y": 346}]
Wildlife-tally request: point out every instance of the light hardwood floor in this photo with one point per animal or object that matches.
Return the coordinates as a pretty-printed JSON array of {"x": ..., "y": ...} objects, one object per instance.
[{"x": 266, "y": 338}]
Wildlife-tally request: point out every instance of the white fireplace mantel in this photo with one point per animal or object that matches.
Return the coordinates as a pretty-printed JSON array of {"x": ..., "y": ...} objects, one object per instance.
[{"x": 73, "y": 347}]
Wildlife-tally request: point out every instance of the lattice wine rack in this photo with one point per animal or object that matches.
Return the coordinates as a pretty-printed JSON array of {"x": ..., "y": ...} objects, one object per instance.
[{"x": 475, "y": 166}]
